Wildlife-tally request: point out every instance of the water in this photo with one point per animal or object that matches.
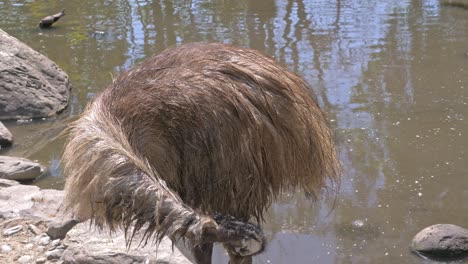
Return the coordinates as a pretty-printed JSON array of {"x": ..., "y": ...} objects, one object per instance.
[{"x": 392, "y": 75}]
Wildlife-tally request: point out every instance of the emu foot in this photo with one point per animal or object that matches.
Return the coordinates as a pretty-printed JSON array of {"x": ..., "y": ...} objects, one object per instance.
[{"x": 241, "y": 239}]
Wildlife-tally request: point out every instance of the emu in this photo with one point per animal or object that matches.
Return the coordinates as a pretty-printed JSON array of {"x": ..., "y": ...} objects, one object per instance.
[{"x": 193, "y": 144}]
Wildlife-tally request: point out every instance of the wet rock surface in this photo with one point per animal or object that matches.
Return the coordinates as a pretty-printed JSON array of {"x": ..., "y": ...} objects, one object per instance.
[
  {"x": 19, "y": 169},
  {"x": 31, "y": 85},
  {"x": 27, "y": 215},
  {"x": 443, "y": 242}
]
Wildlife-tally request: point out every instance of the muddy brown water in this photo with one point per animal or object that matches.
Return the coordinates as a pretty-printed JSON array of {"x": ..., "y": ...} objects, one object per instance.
[{"x": 392, "y": 75}]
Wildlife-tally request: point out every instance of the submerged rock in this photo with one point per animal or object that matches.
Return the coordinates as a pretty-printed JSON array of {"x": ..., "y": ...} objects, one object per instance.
[
  {"x": 12, "y": 168},
  {"x": 443, "y": 242},
  {"x": 6, "y": 138},
  {"x": 359, "y": 229},
  {"x": 31, "y": 85},
  {"x": 457, "y": 3}
]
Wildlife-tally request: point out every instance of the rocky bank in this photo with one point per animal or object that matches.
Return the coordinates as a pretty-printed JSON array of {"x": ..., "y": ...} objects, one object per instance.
[{"x": 31, "y": 221}]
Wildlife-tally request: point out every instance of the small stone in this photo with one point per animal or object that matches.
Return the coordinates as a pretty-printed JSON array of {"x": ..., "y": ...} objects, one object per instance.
[
  {"x": 44, "y": 241},
  {"x": 41, "y": 248},
  {"x": 38, "y": 238},
  {"x": 54, "y": 254},
  {"x": 12, "y": 230},
  {"x": 55, "y": 243},
  {"x": 62, "y": 246},
  {"x": 41, "y": 260},
  {"x": 24, "y": 259},
  {"x": 35, "y": 229},
  {"x": 6, "y": 248},
  {"x": 443, "y": 242},
  {"x": 58, "y": 230}
]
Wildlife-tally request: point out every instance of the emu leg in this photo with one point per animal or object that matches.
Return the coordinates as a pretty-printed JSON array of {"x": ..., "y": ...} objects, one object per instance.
[{"x": 202, "y": 253}]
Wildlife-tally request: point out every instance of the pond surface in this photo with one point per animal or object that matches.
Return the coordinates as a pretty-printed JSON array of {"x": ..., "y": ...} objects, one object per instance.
[{"x": 393, "y": 76}]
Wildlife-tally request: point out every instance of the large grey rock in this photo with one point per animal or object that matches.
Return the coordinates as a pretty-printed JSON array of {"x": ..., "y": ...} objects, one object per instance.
[
  {"x": 13, "y": 168},
  {"x": 31, "y": 85},
  {"x": 6, "y": 138},
  {"x": 443, "y": 242}
]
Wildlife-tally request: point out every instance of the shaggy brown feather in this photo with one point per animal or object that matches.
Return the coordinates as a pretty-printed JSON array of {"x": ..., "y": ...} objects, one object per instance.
[{"x": 196, "y": 130}]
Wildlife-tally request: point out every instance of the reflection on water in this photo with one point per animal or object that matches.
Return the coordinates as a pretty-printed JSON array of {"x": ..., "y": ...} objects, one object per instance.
[{"x": 391, "y": 75}]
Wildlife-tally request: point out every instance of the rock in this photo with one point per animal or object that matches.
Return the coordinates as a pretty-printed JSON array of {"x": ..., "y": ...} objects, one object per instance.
[
  {"x": 41, "y": 260},
  {"x": 19, "y": 198},
  {"x": 58, "y": 230},
  {"x": 55, "y": 243},
  {"x": 92, "y": 246},
  {"x": 44, "y": 241},
  {"x": 12, "y": 230},
  {"x": 54, "y": 254},
  {"x": 24, "y": 259},
  {"x": 443, "y": 242},
  {"x": 456, "y": 3},
  {"x": 7, "y": 183},
  {"x": 6, "y": 138},
  {"x": 5, "y": 248},
  {"x": 12, "y": 168},
  {"x": 7, "y": 214},
  {"x": 28, "y": 200},
  {"x": 34, "y": 229},
  {"x": 37, "y": 239},
  {"x": 31, "y": 85},
  {"x": 29, "y": 205},
  {"x": 82, "y": 257}
]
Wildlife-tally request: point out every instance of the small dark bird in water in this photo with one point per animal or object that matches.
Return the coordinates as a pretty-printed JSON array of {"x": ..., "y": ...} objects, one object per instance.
[{"x": 49, "y": 20}]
